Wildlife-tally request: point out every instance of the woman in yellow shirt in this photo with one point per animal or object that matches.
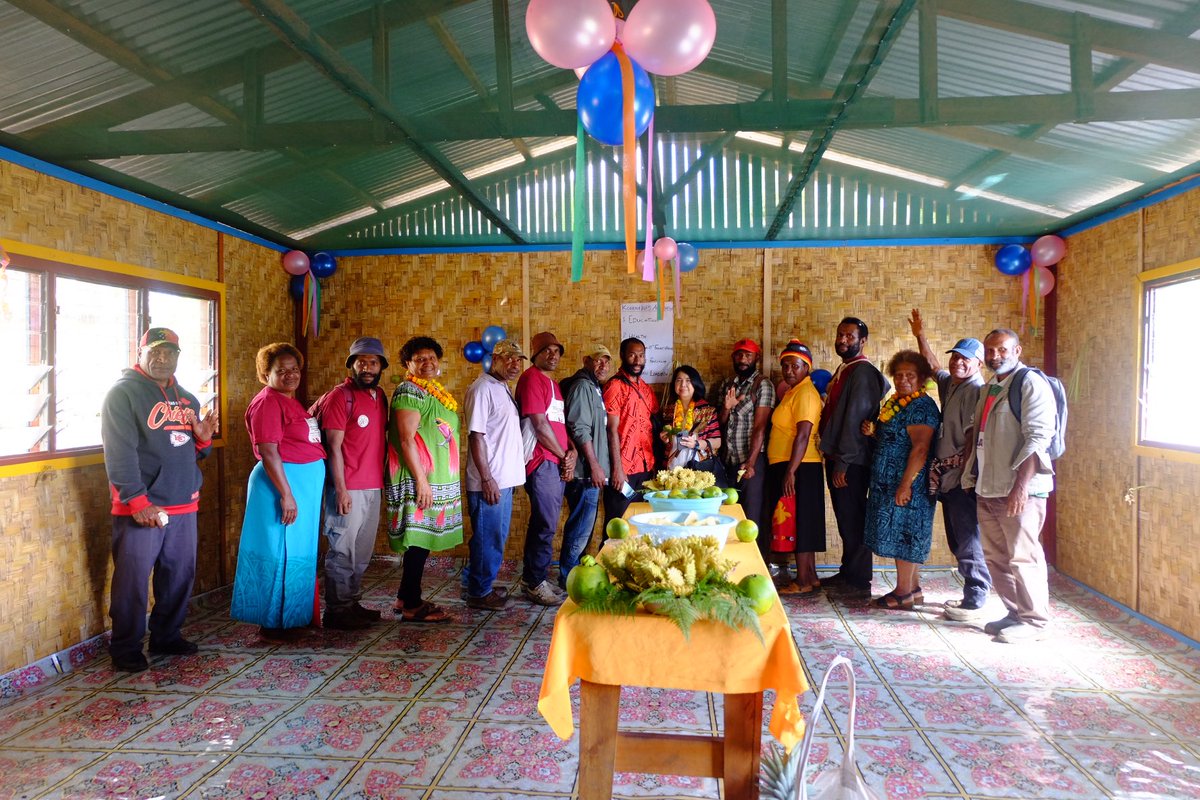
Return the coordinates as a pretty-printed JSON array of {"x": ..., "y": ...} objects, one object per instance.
[{"x": 794, "y": 464}]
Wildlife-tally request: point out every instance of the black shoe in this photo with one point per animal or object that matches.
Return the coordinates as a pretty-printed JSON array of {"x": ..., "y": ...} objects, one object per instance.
[
  {"x": 135, "y": 663},
  {"x": 345, "y": 620},
  {"x": 179, "y": 647},
  {"x": 369, "y": 614},
  {"x": 492, "y": 601}
]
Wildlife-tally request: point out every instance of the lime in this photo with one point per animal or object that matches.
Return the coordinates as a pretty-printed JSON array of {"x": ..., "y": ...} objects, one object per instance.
[
  {"x": 678, "y": 494},
  {"x": 616, "y": 528},
  {"x": 731, "y": 497},
  {"x": 713, "y": 491},
  {"x": 693, "y": 494},
  {"x": 760, "y": 590},
  {"x": 746, "y": 530},
  {"x": 587, "y": 581}
]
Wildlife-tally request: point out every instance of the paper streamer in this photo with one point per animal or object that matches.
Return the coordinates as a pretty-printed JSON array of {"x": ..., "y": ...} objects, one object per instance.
[
  {"x": 579, "y": 214},
  {"x": 629, "y": 167},
  {"x": 678, "y": 290},
  {"x": 660, "y": 289},
  {"x": 1024, "y": 298},
  {"x": 307, "y": 300},
  {"x": 648, "y": 257}
]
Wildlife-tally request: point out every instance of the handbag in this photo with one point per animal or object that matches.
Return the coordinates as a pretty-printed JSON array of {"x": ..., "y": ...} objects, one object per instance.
[
  {"x": 843, "y": 782},
  {"x": 783, "y": 525}
]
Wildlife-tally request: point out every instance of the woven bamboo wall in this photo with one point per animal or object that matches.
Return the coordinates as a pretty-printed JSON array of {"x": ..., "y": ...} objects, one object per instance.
[{"x": 54, "y": 544}]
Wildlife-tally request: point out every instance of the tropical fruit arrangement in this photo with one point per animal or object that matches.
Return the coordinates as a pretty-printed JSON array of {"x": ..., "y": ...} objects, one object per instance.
[{"x": 682, "y": 479}]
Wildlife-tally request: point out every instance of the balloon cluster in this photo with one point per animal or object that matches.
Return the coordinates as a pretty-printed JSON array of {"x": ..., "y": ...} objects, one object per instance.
[
  {"x": 665, "y": 37},
  {"x": 685, "y": 256},
  {"x": 297, "y": 263},
  {"x": 1014, "y": 259},
  {"x": 480, "y": 351}
]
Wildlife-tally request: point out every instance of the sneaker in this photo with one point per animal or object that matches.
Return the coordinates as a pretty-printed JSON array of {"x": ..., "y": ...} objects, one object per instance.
[
  {"x": 544, "y": 594},
  {"x": 179, "y": 647},
  {"x": 1022, "y": 633},
  {"x": 369, "y": 614},
  {"x": 346, "y": 620},
  {"x": 492, "y": 601},
  {"x": 962, "y": 611},
  {"x": 993, "y": 628},
  {"x": 134, "y": 663}
]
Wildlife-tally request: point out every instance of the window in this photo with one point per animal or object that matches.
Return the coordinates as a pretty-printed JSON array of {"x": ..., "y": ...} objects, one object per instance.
[
  {"x": 1166, "y": 419},
  {"x": 67, "y": 331}
]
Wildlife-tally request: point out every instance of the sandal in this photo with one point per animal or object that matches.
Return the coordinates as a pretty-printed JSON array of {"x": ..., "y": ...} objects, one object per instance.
[
  {"x": 426, "y": 612},
  {"x": 894, "y": 601},
  {"x": 795, "y": 589}
]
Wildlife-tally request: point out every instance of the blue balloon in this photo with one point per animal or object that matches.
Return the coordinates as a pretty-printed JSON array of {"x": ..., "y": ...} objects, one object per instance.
[
  {"x": 821, "y": 379},
  {"x": 491, "y": 335},
  {"x": 689, "y": 259},
  {"x": 1013, "y": 259},
  {"x": 599, "y": 100},
  {"x": 486, "y": 363},
  {"x": 474, "y": 352},
  {"x": 296, "y": 287},
  {"x": 322, "y": 265}
]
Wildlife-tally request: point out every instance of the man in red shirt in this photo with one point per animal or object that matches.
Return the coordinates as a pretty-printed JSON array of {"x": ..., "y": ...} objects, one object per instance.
[
  {"x": 549, "y": 464},
  {"x": 353, "y": 417},
  {"x": 632, "y": 407}
]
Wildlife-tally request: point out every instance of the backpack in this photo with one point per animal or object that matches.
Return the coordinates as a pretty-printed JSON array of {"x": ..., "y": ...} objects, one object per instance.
[
  {"x": 1058, "y": 444},
  {"x": 315, "y": 409}
]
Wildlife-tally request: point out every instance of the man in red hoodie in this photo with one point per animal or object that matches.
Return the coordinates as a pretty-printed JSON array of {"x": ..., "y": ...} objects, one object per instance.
[{"x": 153, "y": 436}]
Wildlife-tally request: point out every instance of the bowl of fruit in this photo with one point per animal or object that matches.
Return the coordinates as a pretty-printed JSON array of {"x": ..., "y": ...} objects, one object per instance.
[
  {"x": 658, "y": 526},
  {"x": 682, "y": 489}
]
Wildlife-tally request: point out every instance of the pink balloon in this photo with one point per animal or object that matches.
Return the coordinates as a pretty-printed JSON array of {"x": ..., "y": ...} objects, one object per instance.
[
  {"x": 1043, "y": 281},
  {"x": 295, "y": 262},
  {"x": 570, "y": 33},
  {"x": 669, "y": 37},
  {"x": 1048, "y": 251},
  {"x": 665, "y": 248}
]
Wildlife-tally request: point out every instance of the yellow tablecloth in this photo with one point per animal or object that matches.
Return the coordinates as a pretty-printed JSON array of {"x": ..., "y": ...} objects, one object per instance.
[{"x": 649, "y": 650}]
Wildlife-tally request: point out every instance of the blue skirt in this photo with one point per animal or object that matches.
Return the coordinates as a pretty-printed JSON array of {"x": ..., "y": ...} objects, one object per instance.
[{"x": 277, "y": 565}]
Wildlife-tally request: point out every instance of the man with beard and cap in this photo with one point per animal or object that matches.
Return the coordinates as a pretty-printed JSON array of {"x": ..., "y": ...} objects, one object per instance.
[
  {"x": 852, "y": 397},
  {"x": 495, "y": 467},
  {"x": 632, "y": 406},
  {"x": 153, "y": 436},
  {"x": 1009, "y": 468},
  {"x": 587, "y": 425},
  {"x": 353, "y": 416},
  {"x": 958, "y": 390},
  {"x": 549, "y": 464},
  {"x": 746, "y": 400}
]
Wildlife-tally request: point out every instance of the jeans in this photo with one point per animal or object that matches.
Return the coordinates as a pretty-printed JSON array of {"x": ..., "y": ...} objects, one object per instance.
[
  {"x": 962, "y": 534},
  {"x": 582, "y": 501},
  {"x": 490, "y": 524},
  {"x": 850, "y": 508},
  {"x": 545, "y": 489}
]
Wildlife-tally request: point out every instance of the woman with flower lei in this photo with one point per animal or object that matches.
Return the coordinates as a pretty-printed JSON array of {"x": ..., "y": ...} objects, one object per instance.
[
  {"x": 692, "y": 430},
  {"x": 899, "y": 508},
  {"x": 421, "y": 484}
]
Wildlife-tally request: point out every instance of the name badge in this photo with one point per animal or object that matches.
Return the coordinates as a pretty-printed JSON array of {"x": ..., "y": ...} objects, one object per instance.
[
  {"x": 314, "y": 431},
  {"x": 363, "y": 421}
]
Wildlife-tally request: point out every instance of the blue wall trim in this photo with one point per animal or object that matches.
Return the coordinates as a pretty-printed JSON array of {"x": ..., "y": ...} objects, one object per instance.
[
  {"x": 1160, "y": 196},
  {"x": 70, "y": 176}
]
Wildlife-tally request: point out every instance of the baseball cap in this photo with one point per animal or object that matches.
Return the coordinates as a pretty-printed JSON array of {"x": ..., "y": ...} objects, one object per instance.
[
  {"x": 796, "y": 348},
  {"x": 597, "y": 350},
  {"x": 546, "y": 339},
  {"x": 366, "y": 346},
  {"x": 749, "y": 345},
  {"x": 507, "y": 348},
  {"x": 159, "y": 336},
  {"x": 969, "y": 348}
]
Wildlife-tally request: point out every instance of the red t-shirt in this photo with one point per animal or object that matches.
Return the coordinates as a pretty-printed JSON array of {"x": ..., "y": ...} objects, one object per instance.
[
  {"x": 273, "y": 417},
  {"x": 364, "y": 422},
  {"x": 538, "y": 393},
  {"x": 634, "y": 403}
]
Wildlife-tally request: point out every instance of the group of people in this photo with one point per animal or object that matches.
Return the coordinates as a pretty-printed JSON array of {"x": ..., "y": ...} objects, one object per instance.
[{"x": 588, "y": 440}]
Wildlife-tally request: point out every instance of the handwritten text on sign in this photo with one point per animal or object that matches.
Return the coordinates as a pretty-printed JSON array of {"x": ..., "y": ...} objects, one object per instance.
[{"x": 641, "y": 320}]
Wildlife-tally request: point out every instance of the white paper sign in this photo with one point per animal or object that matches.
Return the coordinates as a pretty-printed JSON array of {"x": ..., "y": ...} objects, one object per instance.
[{"x": 641, "y": 320}]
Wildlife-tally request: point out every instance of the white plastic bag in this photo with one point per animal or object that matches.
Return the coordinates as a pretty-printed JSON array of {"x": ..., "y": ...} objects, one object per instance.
[{"x": 843, "y": 783}]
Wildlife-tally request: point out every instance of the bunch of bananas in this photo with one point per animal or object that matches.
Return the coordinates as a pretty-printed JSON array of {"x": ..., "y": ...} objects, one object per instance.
[
  {"x": 680, "y": 478},
  {"x": 676, "y": 565}
]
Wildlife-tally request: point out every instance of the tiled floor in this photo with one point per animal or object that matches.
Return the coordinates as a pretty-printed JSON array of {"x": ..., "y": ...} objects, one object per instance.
[{"x": 1109, "y": 708}]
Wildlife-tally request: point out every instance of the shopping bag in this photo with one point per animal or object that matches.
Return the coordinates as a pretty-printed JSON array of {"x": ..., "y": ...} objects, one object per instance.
[
  {"x": 783, "y": 525},
  {"x": 843, "y": 782}
]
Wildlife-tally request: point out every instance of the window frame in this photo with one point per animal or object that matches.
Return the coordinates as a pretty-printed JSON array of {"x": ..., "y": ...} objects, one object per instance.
[
  {"x": 51, "y": 263},
  {"x": 1146, "y": 282}
]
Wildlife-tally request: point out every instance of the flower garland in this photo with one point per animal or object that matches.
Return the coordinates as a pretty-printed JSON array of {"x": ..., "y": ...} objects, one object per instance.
[
  {"x": 438, "y": 391},
  {"x": 683, "y": 420},
  {"x": 895, "y": 404}
]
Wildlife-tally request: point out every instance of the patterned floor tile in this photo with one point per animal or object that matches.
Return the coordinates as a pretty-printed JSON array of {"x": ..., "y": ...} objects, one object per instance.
[
  {"x": 325, "y": 727},
  {"x": 288, "y": 675},
  {"x": 514, "y": 700},
  {"x": 1030, "y": 668},
  {"x": 494, "y": 645},
  {"x": 25, "y": 773},
  {"x": 127, "y": 775},
  {"x": 498, "y": 757},
  {"x": 818, "y": 659},
  {"x": 1069, "y": 713},
  {"x": 1011, "y": 766},
  {"x": 284, "y": 776},
  {"x": 1143, "y": 673},
  {"x": 901, "y": 667},
  {"x": 531, "y": 658},
  {"x": 381, "y": 781},
  {"x": 212, "y": 725},
  {"x": 198, "y": 673},
  {"x": 1179, "y": 716},
  {"x": 236, "y": 636},
  {"x": 102, "y": 720},
  {"x": 424, "y": 738},
  {"x": 642, "y": 785},
  {"x": 979, "y": 709},
  {"x": 900, "y": 765},
  {"x": 442, "y": 641},
  {"x": 890, "y": 629},
  {"x": 664, "y": 709},
  {"x": 465, "y": 683},
  {"x": 34, "y": 709},
  {"x": 875, "y": 709},
  {"x": 383, "y": 676},
  {"x": 1145, "y": 770}
]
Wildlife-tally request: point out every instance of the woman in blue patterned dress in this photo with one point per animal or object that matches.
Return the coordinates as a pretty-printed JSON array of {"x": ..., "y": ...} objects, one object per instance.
[{"x": 899, "y": 508}]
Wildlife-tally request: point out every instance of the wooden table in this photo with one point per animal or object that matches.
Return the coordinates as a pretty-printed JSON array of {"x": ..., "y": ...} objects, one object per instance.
[{"x": 608, "y": 652}]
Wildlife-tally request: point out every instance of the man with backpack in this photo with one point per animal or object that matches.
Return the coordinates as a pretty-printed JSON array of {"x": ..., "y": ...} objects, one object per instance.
[
  {"x": 353, "y": 418},
  {"x": 1017, "y": 431}
]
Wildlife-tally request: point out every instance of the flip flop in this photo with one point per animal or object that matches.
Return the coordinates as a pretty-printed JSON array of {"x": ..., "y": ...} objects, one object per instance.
[{"x": 426, "y": 612}]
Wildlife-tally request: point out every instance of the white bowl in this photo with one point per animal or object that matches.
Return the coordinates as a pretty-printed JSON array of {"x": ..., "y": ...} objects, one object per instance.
[{"x": 657, "y": 526}]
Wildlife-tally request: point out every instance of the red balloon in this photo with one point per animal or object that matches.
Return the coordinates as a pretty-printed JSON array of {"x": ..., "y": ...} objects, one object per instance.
[
  {"x": 295, "y": 262},
  {"x": 665, "y": 248},
  {"x": 1043, "y": 281},
  {"x": 1048, "y": 251}
]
